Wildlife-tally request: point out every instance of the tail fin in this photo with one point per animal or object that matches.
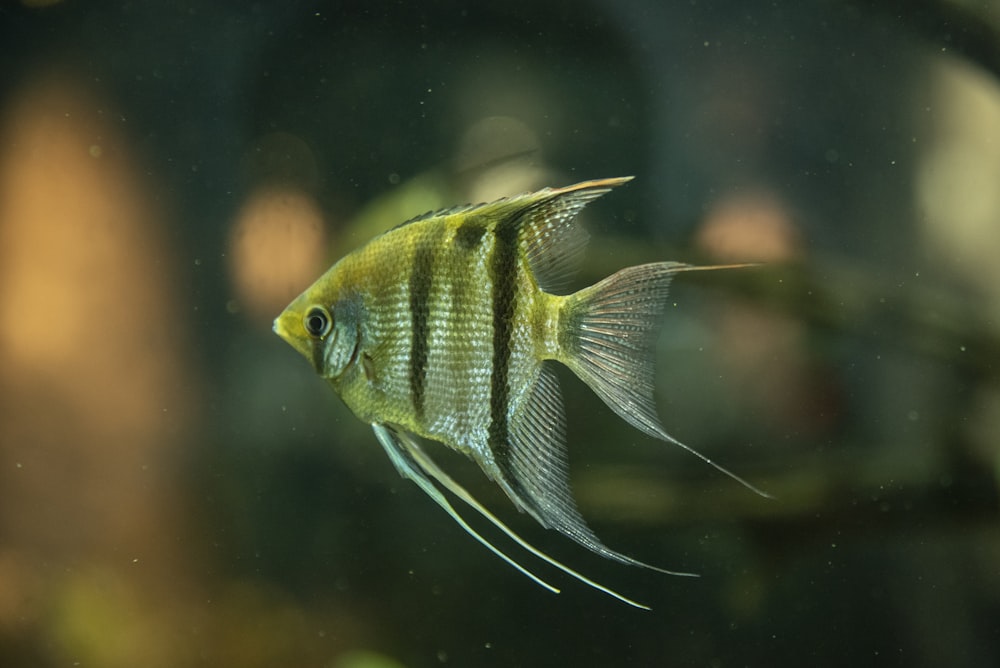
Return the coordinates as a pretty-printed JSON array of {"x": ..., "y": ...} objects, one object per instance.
[{"x": 607, "y": 340}]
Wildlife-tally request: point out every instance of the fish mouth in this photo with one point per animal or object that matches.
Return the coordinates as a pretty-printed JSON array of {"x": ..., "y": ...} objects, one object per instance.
[
  {"x": 286, "y": 326},
  {"x": 279, "y": 329}
]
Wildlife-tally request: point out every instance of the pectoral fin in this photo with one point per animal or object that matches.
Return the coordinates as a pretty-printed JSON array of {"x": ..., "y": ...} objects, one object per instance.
[{"x": 413, "y": 463}]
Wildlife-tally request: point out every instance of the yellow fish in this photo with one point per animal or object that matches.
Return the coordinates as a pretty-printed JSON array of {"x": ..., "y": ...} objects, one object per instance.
[{"x": 445, "y": 328}]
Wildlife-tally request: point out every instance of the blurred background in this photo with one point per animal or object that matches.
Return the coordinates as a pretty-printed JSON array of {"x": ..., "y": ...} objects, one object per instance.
[{"x": 178, "y": 488}]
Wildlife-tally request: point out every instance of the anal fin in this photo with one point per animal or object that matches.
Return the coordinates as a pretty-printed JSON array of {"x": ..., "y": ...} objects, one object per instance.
[{"x": 535, "y": 469}]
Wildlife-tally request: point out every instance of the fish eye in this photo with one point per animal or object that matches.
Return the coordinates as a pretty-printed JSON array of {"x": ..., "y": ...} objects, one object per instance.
[{"x": 317, "y": 322}]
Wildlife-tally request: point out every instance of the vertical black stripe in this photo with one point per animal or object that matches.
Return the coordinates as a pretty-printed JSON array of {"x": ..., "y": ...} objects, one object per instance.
[
  {"x": 469, "y": 233},
  {"x": 319, "y": 356},
  {"x": 421, "y": 276},
  {"x": 503, "y": 273}
]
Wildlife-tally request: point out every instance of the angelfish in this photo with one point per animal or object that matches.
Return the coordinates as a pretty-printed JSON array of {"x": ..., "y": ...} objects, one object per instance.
[{"x": 446, "y": 328}]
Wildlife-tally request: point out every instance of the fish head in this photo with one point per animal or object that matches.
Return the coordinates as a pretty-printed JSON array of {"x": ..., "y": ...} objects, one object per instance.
[{"x": 324, "y": 328}]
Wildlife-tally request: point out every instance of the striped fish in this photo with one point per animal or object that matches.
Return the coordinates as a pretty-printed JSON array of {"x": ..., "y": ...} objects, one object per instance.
[{"x": 445, "y": 328}]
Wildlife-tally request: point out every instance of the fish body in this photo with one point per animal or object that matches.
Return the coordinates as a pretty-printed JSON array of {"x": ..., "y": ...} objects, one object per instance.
[{"x": 446, "y": 328}]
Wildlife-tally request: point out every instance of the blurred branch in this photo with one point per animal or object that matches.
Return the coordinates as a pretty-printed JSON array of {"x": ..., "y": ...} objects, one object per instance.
[
  {"x": 916, "y": 315},
  {"x": 837, "y": 484}
]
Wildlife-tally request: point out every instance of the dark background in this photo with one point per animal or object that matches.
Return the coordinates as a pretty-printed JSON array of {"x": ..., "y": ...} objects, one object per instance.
[{"x": 178, "y": 488}]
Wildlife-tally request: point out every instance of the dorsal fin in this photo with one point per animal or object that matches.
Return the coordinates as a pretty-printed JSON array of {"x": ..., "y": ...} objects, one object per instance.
[
  {"x": 435, "y": 213},
  {"x": 554, "y": 240}
]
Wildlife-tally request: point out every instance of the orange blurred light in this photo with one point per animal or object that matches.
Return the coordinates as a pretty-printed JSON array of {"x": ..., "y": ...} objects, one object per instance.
[
  {"x": 750, "y": 227},
  {"x": 277, "y": 247},
  {"x": 96, "y": 392}
]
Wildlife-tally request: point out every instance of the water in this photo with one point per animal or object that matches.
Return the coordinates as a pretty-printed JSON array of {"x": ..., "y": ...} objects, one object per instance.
[{"x": 176, "y": 488}]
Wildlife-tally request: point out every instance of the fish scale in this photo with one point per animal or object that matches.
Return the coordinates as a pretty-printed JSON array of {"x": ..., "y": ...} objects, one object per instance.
[
  {"x": 446, "y": 328},
  {"x": 459, "y": 363}
]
